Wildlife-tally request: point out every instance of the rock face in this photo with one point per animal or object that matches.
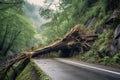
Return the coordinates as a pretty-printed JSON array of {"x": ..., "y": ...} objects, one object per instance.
[
  {"x": 117, "y": 32},
  {"x": 115, "y": 46},
  {"x": 114, "y": 17}
]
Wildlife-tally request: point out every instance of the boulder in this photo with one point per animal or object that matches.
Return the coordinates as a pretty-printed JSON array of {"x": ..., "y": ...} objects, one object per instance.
[
  {"x": 117, "y": 32},
  {"x": 114, "y": 17},
  {"x": 115, "y": 45}
]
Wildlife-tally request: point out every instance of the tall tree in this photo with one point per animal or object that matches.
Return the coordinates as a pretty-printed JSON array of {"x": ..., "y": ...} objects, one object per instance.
[{"x": 16, "y": 31}]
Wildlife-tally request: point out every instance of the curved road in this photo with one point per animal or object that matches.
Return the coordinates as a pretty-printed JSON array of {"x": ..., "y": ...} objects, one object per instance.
[{"x": 62, "y": 69}]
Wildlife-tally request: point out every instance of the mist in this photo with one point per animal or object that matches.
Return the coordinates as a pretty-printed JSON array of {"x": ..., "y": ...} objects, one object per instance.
[{"x": 32, "y": 13}]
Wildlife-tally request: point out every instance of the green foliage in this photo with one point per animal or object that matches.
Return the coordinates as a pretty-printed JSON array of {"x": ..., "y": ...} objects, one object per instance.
[
  {"x": 52, "y": 31},
  {"x": 41, "y": 74},
  {"x": 26, "y": 74},
  {"x": 111, "y": 60},
  {"x": 106, "y": 60},
  {"x": 11, "y": 4},
  {"x": 90, "y": 56},
  {"x": 46, "y": 13},
  {"x": 103, "y": 42},
  {"x": 71, "y": 12},
  {"x": 16, "y": 31},
  {"x": 116, "y": 58}
]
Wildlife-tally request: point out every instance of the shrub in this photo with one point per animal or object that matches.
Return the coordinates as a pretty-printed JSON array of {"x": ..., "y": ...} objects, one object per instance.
[
  {"x": 106, "y": 60},
  {"x": 116, "y": 58}
]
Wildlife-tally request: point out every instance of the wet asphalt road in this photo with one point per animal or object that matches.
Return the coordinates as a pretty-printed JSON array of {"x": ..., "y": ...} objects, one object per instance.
[{"x": 61, "y": 70}]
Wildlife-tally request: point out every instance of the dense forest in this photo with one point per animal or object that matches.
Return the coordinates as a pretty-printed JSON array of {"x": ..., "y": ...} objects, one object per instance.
[
  {"x": 16, "y": 31},
  {"x": 21, "y": 31},
  {"x": 100, "y": 17},
  {"x": 24, "y": 30}
]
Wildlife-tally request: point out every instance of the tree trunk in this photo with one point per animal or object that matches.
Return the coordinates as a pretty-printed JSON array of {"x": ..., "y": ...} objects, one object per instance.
[{"x": 72, "y": 41}]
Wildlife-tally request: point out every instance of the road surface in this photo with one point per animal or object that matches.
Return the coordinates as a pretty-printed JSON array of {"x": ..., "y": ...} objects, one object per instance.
[{"x": 61, "y": 69}]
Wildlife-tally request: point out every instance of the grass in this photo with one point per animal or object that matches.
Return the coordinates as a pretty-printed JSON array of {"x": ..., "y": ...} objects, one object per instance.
[
  {"x": 27, "y": 73},
  {"x": 92, "y": 57}
]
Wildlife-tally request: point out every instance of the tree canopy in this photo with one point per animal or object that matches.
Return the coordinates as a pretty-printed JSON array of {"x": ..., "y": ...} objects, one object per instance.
[{"x": 16, "y": 31}]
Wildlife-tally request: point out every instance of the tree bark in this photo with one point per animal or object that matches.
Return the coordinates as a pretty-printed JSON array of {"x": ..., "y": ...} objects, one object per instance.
[{"x": 73, "y": 40}]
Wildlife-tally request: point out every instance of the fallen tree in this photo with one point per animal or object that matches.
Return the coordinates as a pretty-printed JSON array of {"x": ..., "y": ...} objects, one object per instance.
[{"x": 75, "y": 40}]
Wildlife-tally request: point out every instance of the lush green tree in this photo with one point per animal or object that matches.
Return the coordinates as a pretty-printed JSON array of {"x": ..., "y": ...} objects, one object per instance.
[
  {"x": 16, "y": 31},
  {"x": 93, "y": 14}
]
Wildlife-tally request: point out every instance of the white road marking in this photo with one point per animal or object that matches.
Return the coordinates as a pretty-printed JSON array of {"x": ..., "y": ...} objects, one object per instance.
[{"x": 84, "y": 65}]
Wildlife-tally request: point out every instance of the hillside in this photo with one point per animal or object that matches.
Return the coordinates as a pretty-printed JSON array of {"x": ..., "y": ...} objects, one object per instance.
[
  {"x": 84, "y": 30},
  {"x": 100, "y": 17}
]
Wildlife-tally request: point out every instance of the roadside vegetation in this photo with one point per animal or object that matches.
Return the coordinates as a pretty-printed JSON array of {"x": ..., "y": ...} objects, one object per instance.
[
  {"x": 96, "y": 17},
  {"x": 24, "y": 70},
  {"x": 32, "y": 72},
  {"x": 16, "y": 31}
]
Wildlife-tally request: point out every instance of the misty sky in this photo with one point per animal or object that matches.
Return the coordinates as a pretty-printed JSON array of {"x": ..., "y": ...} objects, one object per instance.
[
  {"x": 42, "y": 3},
  {"x": 31, "y": 8}
]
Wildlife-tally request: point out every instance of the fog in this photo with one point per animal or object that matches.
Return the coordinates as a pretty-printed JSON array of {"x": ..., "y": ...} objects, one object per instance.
[{"x": 32, "y": 13}]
